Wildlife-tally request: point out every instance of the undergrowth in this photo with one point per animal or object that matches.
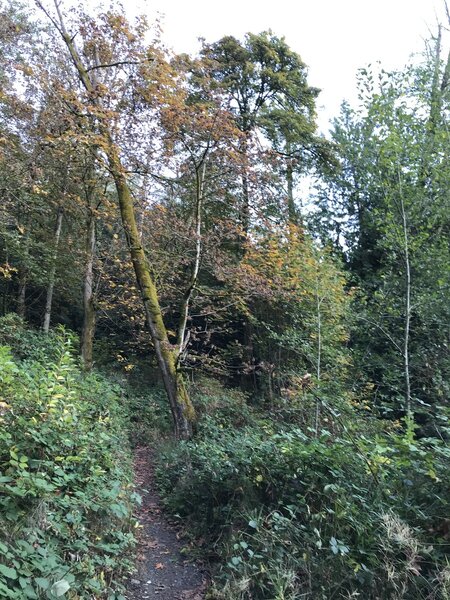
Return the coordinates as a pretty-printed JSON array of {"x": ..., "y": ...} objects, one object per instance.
[
  {"x": 66, "y": 495},
  {"x": 287, "y": 511},
  {"x": 306, "y": 497}
]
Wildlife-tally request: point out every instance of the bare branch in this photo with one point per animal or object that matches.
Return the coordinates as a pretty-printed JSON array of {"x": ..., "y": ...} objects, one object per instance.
[
  {"x": 114, "y": 64},
  {"x": 49, "y": 16}
]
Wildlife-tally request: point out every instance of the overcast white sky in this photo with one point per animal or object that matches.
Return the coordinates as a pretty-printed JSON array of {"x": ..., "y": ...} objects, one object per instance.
[{"x": 333, "y": 37}]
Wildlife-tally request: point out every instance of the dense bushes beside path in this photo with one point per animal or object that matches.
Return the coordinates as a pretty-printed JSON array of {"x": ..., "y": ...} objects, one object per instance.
[
  {"x": 66, "y": 496},
  {"x": 352, "y": 512}
]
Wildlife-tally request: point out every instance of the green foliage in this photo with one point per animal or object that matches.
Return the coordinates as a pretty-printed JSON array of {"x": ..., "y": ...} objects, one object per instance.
[
  {"x": 148, "y": 416},
  {"x": 262, "y": 71},
  {"x": 303, "y": 493},
  {"x": 66, "y": 496},
  {"x": 29, "y": 344},
  {"x": 387, "y": 213},
  {"x": 290, "y": 512},
  {"x": 299, "y": 321}
]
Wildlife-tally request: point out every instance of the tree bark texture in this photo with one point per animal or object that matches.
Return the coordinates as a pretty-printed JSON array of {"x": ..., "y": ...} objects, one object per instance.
[{"x": 183, "y": 413}]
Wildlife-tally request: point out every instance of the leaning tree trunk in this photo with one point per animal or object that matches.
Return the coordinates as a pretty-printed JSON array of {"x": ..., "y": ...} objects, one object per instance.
[
  {"x": 52, "y": 275},
  {"x": 89, "y": 317},
  {"x": 183, "y": 413}
]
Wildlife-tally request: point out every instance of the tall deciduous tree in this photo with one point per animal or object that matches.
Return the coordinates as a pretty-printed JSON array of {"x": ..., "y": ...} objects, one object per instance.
[
  {"x": 266, "y": 84},
  {"x": 110, "y": 47}
]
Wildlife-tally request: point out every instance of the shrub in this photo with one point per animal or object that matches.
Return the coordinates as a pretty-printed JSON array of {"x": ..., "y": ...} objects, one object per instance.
[
  {"x": 66, "y": 496},
  {"x": 293, "y": 514}
]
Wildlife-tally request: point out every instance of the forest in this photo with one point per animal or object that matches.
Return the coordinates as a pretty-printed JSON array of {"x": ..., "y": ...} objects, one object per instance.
[{"x": 191, "y": 273}]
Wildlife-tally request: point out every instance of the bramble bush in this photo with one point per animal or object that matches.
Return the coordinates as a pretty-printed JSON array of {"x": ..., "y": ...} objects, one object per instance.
[
  {"x": 349, "y": 511},
  {"x": 66, "y": 496}
]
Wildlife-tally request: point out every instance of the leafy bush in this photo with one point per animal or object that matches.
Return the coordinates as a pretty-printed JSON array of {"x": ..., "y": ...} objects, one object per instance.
[
  {"x": 292, "y": 514},
  {"x": 149, "y": 418},
  {"x": 66, "y": 496},
  {"x": 29, "y": 344}
]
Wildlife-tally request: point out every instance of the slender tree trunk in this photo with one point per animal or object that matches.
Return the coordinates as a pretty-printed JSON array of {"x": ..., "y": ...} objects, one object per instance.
[
  {"x": 88, "y": 329},
  {"x": 407, "y": 326},
  {"x": 319, "y": 351},
  {"x": 21, "y": 295},
  {"x": 200, "y": 170},
  {"x": 52, "y": 275},
  {"x": 245, "y": 207},
  {"x": 5, "y": 298},
  {"x": 408, "y": 313},
  {"x": 245, "y": 212},
  {"x": 140, "y": 218},
  {"x": 23, "y": 274},
  {"x": 248, "y": 357},
  {"x": 438, "y": 89},
  {"x": 292, "y": 210}
]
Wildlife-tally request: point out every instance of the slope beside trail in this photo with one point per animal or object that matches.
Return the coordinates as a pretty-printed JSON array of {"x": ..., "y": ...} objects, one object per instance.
[{"x": 163, "y": 573}]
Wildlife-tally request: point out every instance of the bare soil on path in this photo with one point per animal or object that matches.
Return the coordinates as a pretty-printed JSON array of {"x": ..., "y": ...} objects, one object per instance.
[{"x": 163, "y": 572}]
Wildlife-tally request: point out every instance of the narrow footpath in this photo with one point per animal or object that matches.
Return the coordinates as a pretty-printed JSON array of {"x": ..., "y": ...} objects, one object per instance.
[{"x": 163, "y": 572}]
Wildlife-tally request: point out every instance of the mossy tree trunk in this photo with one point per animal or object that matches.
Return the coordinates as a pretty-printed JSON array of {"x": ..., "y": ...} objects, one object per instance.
[{"x": 183, "y": 413}]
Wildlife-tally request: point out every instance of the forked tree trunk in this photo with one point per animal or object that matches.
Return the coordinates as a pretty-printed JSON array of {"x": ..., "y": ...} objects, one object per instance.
[
  {"x": 52, "y": 274},
  {"x": 89, "y": 318},
  {"x": 183, "y": 413}
]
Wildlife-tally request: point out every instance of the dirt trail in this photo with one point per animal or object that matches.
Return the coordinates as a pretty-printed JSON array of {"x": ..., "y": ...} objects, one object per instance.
[{"x": 163, "y": 572}]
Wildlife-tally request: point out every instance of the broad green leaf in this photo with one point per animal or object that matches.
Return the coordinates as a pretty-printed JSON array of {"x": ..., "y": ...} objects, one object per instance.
[
  {"x": 42, "y": 582},
  {"x": 60, "y": 588},
  {"x": 8, "y": 572}
]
